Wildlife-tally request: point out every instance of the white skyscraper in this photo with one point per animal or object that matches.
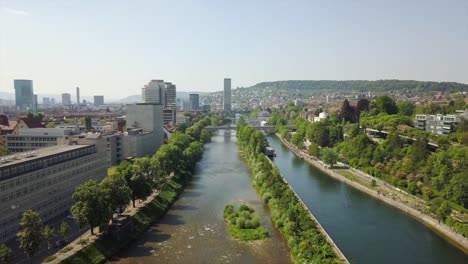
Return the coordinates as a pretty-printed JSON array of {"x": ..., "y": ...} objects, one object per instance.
[
  {"x": 154, "y": 92},
  {"x": 171, "y": 102},
  {"x": 227, "y": 95}
]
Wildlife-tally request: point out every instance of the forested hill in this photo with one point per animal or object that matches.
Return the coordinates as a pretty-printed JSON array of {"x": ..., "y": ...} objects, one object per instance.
[{"x": 363, "y": 86}]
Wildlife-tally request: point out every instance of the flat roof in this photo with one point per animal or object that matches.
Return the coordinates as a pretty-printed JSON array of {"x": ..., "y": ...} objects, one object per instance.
[{"x": 37, "y": 154}]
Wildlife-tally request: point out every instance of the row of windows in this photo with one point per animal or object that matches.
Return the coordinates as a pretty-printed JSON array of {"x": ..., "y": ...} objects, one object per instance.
[
  {"x": 27, "y": 166},
  {"x": 24, "y": 144},
  {"x": 37, "y": 175},
  {"x": 32, "y": 138},
  {"x": 47, "y": 182},
  {"x": 53, "y": 199}
]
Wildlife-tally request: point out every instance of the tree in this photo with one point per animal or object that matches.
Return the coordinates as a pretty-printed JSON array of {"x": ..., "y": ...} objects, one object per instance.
[
  {"x": 406, "y": 108},
  {"x": 181, "y": 127},
  {"x": 384, "y": 104},
  {"x": 346, "y": 111},
  {"x": 329, "y": 156},
  {"x": 3, "y": 150},
  {"x": 444, "y": 211},
  {"x": 90, "y": 203},
  {"x": 48, "y": 233},
  {"x": 64, "y": 230},
  {"x": 117, "y": 194},
  {"x": 50, "y": 125},
  {"x": 31, "y": 232},
  {"x": 5, "y": 253},
  {"x": 314, "y": 150},
  {"x": 87, "y": 121}
]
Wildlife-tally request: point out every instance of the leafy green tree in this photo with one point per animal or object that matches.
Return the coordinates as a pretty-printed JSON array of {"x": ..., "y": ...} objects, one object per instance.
[
  {"x": 384, "y": 104},
  {"x": 181, "y": 127},
  {"x": 64, "y": 230},
  {"x": 314, "y": 150},
  {"x": 3, "y": 150},
  {"x": 5, "y": 253},
  {"x": 444, "y": 211},
  {"x": 48, "y": 233},
  {"x": 406, "y": 108},
  {"x": 346, "y": 112},
  {"x": 329, "y": 156},
  {"x": 90, "y": 203},
  {"x": 116, "y": 192},
  {"x": 31, "y": 232},
  {"x": 50, "y": 125}
]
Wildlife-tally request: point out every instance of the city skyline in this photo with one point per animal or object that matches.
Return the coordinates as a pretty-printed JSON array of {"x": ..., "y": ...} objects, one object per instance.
[{"x": 327, "y": 41}]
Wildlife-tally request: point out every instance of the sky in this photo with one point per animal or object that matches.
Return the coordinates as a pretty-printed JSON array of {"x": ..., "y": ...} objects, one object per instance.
[{"x": 114, "y": 47}]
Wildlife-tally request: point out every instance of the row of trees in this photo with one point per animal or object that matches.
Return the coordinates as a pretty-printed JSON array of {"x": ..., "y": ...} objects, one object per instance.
[
  {"x": 439, "y": 177},
  {"x": 33, "y": 233},
  {"x": 97, "y": 203},
  {"x": 306, "y": 243}
]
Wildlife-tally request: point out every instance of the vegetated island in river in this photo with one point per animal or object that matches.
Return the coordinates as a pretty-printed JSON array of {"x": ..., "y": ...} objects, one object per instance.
[{"x": 244, "y": 224}]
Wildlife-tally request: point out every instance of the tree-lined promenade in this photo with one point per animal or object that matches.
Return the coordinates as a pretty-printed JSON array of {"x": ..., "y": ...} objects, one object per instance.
[{"x": 161, "y": 176}]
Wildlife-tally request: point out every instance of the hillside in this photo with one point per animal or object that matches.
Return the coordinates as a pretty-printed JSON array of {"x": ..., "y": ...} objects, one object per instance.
[{"x": 404, "y": 86}]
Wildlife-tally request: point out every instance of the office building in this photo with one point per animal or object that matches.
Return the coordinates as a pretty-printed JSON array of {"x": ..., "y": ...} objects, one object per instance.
[
  {"x": 98, "y": 100},
  {"x": 66, "y": 99},
  {"x": 194, "y": 101},
  {"x": 154, "y": 92},
  {"x": 28, "y": 139},
  {"x": 78, "y": 103},
  {"x": 46, "y": 101},
  {"x": 171, "y": 94},
  {"x": 44, "y": 181},
  {"x": 227, "y": 95},
  {"x": 24, "y": 94},
  {"x": 169, "y": 116},
  {"x": 144, "y": 129},
  {"x": 35, "y": 106}
]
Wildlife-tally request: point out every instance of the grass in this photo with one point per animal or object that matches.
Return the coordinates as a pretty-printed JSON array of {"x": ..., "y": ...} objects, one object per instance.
[
  {"x": 66, "y": 249},
  {"x": 352, "y": 177},
  {"x": 244, "y": 224},
  {"x": 105, "y": 247},
  {"x": 50, "y": 258}
]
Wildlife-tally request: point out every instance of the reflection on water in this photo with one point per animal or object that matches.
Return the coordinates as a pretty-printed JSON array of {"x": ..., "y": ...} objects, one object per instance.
[
  {"x": 366, "y": 230},
  {"x": 193, "y": 231}
]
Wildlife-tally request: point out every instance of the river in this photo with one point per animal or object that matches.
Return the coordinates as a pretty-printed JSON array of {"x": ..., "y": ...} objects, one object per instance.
[
  {"x": 194, "y": 231},
  {"x": 365, "y": 229}
]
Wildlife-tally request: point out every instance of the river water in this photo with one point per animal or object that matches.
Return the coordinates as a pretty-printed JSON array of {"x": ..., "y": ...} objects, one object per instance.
[
  {"x": 194, "y": 231},
  {"x": 365, "y": 229}
]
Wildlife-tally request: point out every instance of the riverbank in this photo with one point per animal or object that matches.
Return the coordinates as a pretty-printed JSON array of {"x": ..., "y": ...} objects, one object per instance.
[
  {"x": 98, "y": 249},
  {"x": 443, "y": 230},
  {"x": 322, "y": 230}
]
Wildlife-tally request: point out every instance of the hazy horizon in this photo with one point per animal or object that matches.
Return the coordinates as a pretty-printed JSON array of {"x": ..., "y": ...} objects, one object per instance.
[{"x": 114, "y": 48}]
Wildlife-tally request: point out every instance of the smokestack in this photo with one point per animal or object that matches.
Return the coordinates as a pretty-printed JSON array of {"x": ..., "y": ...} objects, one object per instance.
[{"x": 78, "y": 97}]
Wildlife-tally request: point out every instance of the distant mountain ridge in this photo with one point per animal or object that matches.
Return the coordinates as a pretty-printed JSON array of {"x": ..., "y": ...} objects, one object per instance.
[{"x": 362, "y": 85}]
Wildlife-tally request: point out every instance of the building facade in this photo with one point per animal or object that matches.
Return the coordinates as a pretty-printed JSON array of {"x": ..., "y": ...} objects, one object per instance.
[
  {"x": 98, "y": 100},
  {"x": 227, "y": 95},
  {"x": 24, "y": 95},
  {"x": 154, "y": 92},
  {"x": 171, "y": 94},
  {"x": 194, "y": 100},
  {"x": 44, "y": 181},
  {"x": 66, "y": 99},
  {"x": 34, "y": 138},
  {"x": 145, "y": 119},
  {"x": 439, "y": 124}
]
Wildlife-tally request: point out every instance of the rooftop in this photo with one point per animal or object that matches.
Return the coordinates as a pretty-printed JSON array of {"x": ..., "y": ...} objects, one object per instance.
[{"x": 37, "y": 154}]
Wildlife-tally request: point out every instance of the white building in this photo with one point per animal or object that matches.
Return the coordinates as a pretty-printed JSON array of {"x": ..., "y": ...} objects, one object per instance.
[
  {"x": 145, "y": 123},
  {"x": 154, "y": 92},
  {"x": 44, "y": 180},
  {"x": 27, "y": 139}
]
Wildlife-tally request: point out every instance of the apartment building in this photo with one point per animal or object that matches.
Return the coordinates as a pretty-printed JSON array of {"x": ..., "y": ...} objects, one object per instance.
[
  {"x": 45, "y": 179},
  {"x": 439, "y": 124}
]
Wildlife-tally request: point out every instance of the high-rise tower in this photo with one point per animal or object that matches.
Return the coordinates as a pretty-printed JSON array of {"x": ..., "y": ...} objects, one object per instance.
[
  {"x": 227, "y": 95},
  {"x": 24, "y": 95}
]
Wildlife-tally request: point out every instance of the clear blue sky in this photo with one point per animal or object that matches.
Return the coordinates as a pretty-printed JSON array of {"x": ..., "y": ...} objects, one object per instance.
[{"x": 114, "y": 47}]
